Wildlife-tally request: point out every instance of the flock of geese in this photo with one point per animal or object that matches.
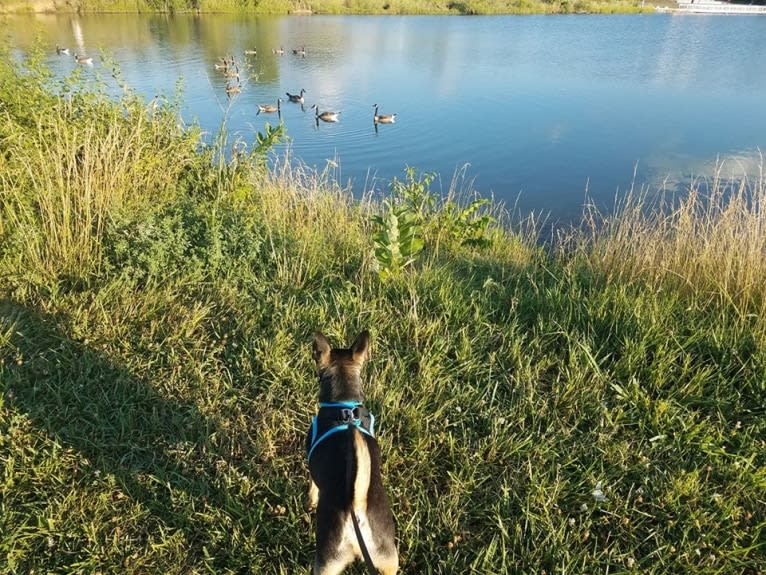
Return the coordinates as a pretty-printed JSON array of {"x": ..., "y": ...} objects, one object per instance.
[
  {"x": 79, "y": 58},
  {"x": 230, "y": 69}
]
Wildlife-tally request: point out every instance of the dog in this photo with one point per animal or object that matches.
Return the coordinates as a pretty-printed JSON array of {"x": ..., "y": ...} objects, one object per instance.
[{"x": 346, "y": 487}]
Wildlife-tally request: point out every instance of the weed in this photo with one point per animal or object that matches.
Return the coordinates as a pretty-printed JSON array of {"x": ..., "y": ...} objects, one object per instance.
[
  {"x": 418, "y": 217},
  {"x": 397, "y": 239}
]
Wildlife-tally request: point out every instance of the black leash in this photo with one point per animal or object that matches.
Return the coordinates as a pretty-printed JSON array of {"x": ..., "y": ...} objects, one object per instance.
[{"x": 350, "y": 485}]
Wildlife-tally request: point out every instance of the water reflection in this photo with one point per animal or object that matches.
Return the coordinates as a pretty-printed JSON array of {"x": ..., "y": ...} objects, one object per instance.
[
  {"x": 680, "y": 171},
  {"x": 541, "y": 108}
]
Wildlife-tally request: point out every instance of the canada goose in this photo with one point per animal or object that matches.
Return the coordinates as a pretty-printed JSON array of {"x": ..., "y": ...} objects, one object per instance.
[
  {"x": 297, "y": 98},
  {"x": 325, "y": 116},
  {"x": 383, "y": 118},
  {"x": 233, "y": 88},
  {"x": 269, "y": 108},
  {"x": 253, "y": 52},
  {"x": 279, "y": 51},
  {"x": 83, "y": 59},
  {"x": 224, "y": 64},
  {"x": 232, "y": 72},
  {"x": 300, "y": 51},
  {"x": 60, "y": 50}
]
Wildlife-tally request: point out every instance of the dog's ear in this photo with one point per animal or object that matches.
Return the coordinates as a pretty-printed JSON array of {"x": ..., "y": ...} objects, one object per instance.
[
  {"x": 360, "y": 350},
  {"x": 322, "y": 349}
]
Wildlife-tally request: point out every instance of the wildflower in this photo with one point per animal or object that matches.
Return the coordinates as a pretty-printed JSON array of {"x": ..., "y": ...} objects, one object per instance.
[{"x": 598, "y": 494}]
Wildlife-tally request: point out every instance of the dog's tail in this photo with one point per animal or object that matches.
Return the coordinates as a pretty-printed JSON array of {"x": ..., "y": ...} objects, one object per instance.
[{"x": 359, "y": 484}]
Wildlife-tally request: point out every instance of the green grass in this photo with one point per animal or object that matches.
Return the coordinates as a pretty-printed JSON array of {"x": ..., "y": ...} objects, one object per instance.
[
  {"x": 476, "y": 7},
  {"x": 156, "y": 308}
]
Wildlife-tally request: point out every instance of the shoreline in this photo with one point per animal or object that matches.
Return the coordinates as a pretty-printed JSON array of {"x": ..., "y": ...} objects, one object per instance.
[
  {"x": 717, "y": 7},
  {"x": 564, "y": 7}
]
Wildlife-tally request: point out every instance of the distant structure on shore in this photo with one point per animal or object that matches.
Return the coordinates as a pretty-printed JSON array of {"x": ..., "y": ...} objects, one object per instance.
[{"x": 716, "y": 7}]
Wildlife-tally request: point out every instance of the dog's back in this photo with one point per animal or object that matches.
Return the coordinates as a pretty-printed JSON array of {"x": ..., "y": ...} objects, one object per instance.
[{"x": 345, "y": 467}]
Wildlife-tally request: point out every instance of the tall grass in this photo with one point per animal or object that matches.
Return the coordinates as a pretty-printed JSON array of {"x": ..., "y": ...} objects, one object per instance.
[
  {"x": 67, "y": 171},
  {"x": 597, "y": 407},
  {"x": 464, "y": 7},
  {"x": 710, "y": 243}
]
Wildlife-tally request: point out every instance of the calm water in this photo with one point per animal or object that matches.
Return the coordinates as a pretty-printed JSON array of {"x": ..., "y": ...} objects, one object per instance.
[{"x": 538, "y": 111}]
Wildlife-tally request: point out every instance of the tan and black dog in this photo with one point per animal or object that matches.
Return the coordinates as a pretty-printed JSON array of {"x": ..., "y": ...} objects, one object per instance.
[{"x": 344, "y": 460}]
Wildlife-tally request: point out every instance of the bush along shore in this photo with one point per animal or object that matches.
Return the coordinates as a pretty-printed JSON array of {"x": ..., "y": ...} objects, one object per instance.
[
  {"x": 594, "y": 406},
  {"x": 382, "y": 7}
]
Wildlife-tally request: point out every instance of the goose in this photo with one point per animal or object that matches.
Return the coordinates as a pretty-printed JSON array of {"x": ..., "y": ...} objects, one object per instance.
[
  {"x": 223, "y": 64},
  {"x": 279, "y": 51},
  {"x": 253, "y": 52},
  {"x": 383, "y": 118},
  {"x": 83, "y": 59},
  {"x": 297, "y": 98},
  {"x": 60, "y": 50},
  {"x": 325, "y": 116},
  {"x": 233, "y": 88},
  {"x": 232, "y": 72},
  {"x": 300, "y": 51},
  {"x": 269, "y": 108}
]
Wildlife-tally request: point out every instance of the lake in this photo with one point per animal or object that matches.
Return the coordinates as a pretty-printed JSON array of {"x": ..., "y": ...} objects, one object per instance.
[{"x": 541, "y": 112}]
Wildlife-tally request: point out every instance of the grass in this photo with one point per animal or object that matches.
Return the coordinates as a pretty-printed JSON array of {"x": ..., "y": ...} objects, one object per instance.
[
  {"x": 156, "y": 307},
  {"x": 464, "y": 7},
  {"x": 476, "y": 7}
]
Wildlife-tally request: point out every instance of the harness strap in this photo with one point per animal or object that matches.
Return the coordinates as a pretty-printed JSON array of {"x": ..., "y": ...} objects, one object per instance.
[
  {"x": 365, "y": 553},
  {"x": 340, "y": 416}
]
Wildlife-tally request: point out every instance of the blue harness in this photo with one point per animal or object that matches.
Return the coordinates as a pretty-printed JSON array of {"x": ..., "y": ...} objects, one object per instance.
[{"x": 335, "y": 417}]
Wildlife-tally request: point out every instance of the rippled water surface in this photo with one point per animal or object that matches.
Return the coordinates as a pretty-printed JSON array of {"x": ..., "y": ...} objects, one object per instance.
[{"x": 540, "y": 112}]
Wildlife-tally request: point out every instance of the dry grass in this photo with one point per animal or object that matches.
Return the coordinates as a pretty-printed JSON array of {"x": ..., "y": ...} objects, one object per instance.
[
  {"x": 709, "y": 243},
  {"x": 79, "y": 161}
]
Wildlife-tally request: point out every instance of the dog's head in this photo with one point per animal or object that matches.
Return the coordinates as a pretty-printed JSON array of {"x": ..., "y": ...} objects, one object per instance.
[{"x": 340, "y": 369}]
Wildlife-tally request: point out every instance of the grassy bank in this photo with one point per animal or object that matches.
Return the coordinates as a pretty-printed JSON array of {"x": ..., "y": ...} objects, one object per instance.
[
  {"x": 467, "y": 7},
  {"x": 593, "y": 407}
]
